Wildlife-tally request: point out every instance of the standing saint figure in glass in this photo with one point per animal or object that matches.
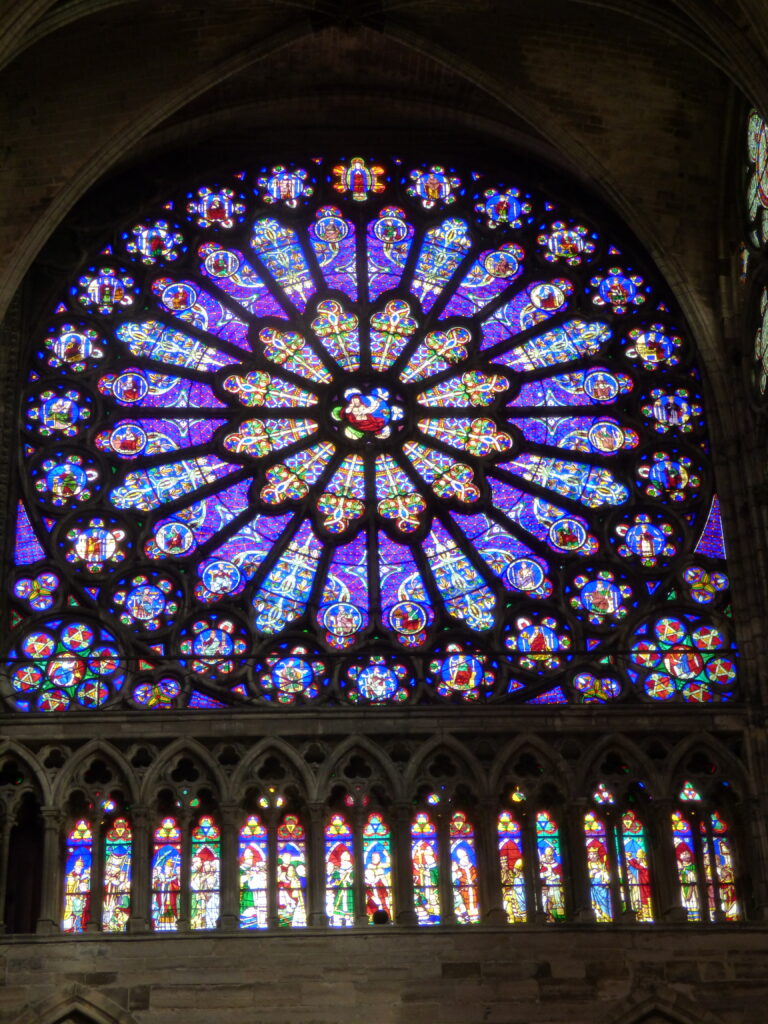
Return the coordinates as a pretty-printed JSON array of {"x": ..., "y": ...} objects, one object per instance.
[
  {"x": 205, "y": 875},
  {"x": 77, "y": 878},
  {"x": 426, "y": 869},
  {"x": 339, "y": 872},
  {"x": 512, "y": 874},
  {"x": 466, "y": 903},
  {"x": 551, "y": 892},
  {"x": 116, "y": 906},
  {"x": 166, "y": 876},
  {"x": 377, "y": 864},
  {"x": 253, "y": 874}
]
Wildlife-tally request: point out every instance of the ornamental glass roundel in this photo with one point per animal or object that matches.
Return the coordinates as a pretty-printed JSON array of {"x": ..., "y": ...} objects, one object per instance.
[{"x": 363, "y": 432}]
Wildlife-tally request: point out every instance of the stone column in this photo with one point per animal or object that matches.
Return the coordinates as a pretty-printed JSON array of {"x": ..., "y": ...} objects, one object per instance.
[
  {"x": 576, "y": 862},
  {"x": 316, "y": 875},
  {"x": 97, "y": 876},
  {"x": 230, "y": 874},
  {"x": 488, "y": 865},
  {"x": 534, "y": 902},
  {"x": 5, "y": 839},
  {"x": 358, "y": 822},
  {"x": 51, "y": 895},
  {"x": 447, "y": 911},
  {"x": 272, "y": 820},
  {"x": 183, "y": 923},
  {"x": 664, "y": 863},
  {"x": 402, "y": 867},
  {"x": 619, "y": 875},
  {"x": 141, "y": 882}
]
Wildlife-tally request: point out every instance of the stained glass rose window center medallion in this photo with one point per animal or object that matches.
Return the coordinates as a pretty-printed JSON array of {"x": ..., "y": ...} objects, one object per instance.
[{"x": 356, "y": 431}]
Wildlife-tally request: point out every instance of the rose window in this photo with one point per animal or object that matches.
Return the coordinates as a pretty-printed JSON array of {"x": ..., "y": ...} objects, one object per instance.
[{"x": 361, "y": 432}]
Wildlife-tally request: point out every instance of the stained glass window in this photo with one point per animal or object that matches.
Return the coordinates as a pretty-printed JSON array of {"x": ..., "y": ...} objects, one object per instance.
[
  {"x": 757, "y": 180},
  {"x": 253, "y": 856},
  {"x": 598, "y": 867},
  {"x": 364, "y": 431},
  {"x": 512, "y": 874},
  {"x": 721, "y": 882},
  {"x": 466, "y": 900},
  {"x": 116, "y": 905},
  {"x": 377, "y": 865},
  {"x": 291, "y": 873},
  {"x": 77, "y": 878},
  {"x": 205, "y": 876},
  {"x": 551, "y": 891},
  {"x": 339, "y": 872},
  {"x": 166, "y": 876},
  {"x": 687, "y": 870},
  {"x": 426, "y": 869},
  {"x": 637, "y": 892}
]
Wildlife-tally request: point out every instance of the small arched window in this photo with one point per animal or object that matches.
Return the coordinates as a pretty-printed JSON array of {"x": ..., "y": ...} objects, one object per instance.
[
  {"x": 377, "y": 862},
  {"x": 512, "y": 865},
  {"x": 339, "y": 872},
  {"x": 166, "y": 876},
  {"x": 77, "y": 878},
  {"x": 598, "y": 868},
  {"x": 205, "y": 874},
  {"x": 705, "y": 859},
  {"x": 116, "y": 905},
  {"x": 426, "y": 869},
  {"x": 466, "y": 902},
  {"x": 549, "y": 854},
  {"x": 253, "y": 860}
]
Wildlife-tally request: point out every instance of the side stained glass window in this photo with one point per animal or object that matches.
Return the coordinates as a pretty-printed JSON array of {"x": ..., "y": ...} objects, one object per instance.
[
  {"x": 551, "y": 891},
  {"x": 116, "y": 905},
  {"x": 339, "y": 872},
  {"x": 426, "y": 869},
  {"x": 377, "y": 864},
  {"x": 291, "y": 873},
  {"x": 77, "y": 878},
  {"x": 361, "y": 432},
  {"x": 166, "y": 876},
  {"x": 253, "y": 855},
  {"x": 637, "y": 891},
  {"x": 466, "y": 901},
  {"x": 598, "y": 868},
  {"x": 721, "y": 880},
  {"x": 512, "y": 875},
  {"x": 205, "y": 875},
  {"x": 687, "y": 870}
]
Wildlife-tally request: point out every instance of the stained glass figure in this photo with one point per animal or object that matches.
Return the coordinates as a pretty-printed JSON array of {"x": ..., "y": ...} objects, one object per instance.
[
  {"x": 757, "y": 186},
  {"x": 687, "y": 870},
  {"x": 116, "y": 900},
  {"x": 721, "y": 882},
  {"x": 337, "y": 405},
  {"x": 426, "y": 869},
  {"x": 77, "y": 878},
  {"x": 205, "y": 875},
  {"x": 339, "y": 872},
  {"x": 377, "y": 868},
  {"x": 636, "y": 887},
  {"x": 598, "y": 868},
  {"x": 166, "y": 876},
  {"x": 466, "y": 900},
  {"x": 512, "y": 873},
  {"x": 550, "y": 863},
  {"x": 291, "y": 873}
]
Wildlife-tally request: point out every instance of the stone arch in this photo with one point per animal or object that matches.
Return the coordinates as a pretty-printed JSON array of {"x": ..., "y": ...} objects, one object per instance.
[
  {"x": 176, "y": 750},
  {"x": 348, "y": 748},
  {"x": 588, "y": 770},
  {"x": 16, "y": 749},
  {"x": 730, "y": 766},
  {"x": 261, "y": 750},
  {"x": 79, "y": 760},
  {"x": 520, "y": 745},
  {"x": 74, "y": 1000},
  {"x": 665, "y": 1006},
  {"x": 450, "y": 745}
]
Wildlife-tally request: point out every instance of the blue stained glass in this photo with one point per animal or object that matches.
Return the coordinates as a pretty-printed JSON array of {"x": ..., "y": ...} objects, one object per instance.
[
  {"x": 146, "y": 489},
  {"x": 167, "y": 345},
  {"x": 231, "y": 565},
  {"x": 538, "y": 302},
  {"x": 597, "y": 386},
  {"x": 712, "y": 540},
  {"x": 337, "y": 331},
  {"x": 146, "y": 388},
  {"x": 508, "y": 558},
  {"x": 561, "y": 530},
  {"x": 389, "y": 239},
  {"x": 188, "y": 302},
  {"x": 333, "y": 240},
  {"x": 390, "y": 332},
  {"x": 601, "y": 435},
  {"x": 283, "y": 595},
  {"x": 343, "y": 611},
  {"x": 231, "y": 271},
  {"x": 553, "y": 696},
  {"x": 405, "y": 606},
  {"x": 278, "y": 249},
  {"x": 130, "y": 439},
  {"x": 27, "y": 548},
  {"x": 572, "y": 340},
  {"x": 442, "y": 250},
  {"x": 461, "y": 587},
  {"x": 202, "y": 700},
  {"x": 184, "y": 531},
  {"x": 578, "y": 481},
  {"x": 343, "y": 500},
  {"x": 492, "y": 272}
]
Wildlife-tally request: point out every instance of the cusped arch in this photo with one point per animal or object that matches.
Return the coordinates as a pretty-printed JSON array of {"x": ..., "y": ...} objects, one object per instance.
[
  {"x": 153, "y": 780},
  {"x": 664, "y": 1006},
  {"x": 588, "y": 769},
  {"x": 730, "y": 766},
  {"x": 281, "y": 749},
  {"x": 26, "y": 756},
  {"x": 78, "y": 999},
  {"x": 367, "y": 748},
  {"x": 448, "y": 744},
  {"x": 562, "y": 774},
  {"x": 80, "y": 758}
]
